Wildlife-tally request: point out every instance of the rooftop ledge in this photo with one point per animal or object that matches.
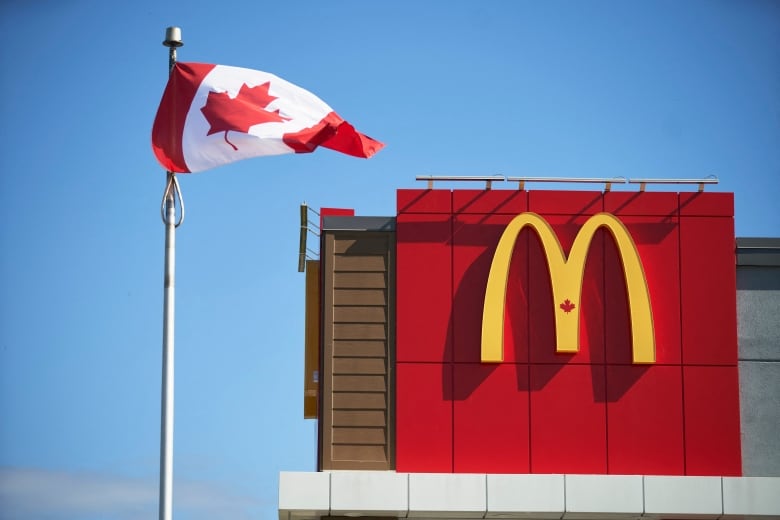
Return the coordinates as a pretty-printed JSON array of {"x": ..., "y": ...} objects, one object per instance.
[{"x": 315, "y": 495}]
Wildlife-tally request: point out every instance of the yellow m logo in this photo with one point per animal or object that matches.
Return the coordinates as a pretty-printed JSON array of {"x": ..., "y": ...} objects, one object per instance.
[{"x": 566, "y": 277}]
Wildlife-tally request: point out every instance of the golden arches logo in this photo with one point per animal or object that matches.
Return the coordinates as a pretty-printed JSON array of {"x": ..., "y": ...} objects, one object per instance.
[{"x": 566, "y": 276}]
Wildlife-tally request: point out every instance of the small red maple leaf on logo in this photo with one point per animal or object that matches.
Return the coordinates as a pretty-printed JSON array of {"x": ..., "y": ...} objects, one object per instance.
[
  {"x": 567, "y": 306},
  {"x": 240, "y": 113}
]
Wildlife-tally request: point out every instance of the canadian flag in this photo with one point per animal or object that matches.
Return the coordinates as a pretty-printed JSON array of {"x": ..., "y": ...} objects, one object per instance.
[{"x": 214, "y": 114}]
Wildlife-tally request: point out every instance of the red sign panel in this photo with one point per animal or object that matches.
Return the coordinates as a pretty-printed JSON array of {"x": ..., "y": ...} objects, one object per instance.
[{"x": 589, "y": 411}]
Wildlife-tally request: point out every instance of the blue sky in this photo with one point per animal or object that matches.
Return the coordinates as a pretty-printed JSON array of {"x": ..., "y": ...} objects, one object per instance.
[{"x": 576, "y": 89}]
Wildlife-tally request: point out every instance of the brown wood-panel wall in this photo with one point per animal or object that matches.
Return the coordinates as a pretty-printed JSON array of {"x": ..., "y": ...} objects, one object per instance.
[{"x": 357, "y": 423}]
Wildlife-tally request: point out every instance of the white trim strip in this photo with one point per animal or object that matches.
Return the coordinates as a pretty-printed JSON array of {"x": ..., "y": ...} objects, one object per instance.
[{"x": 310, "y": 495}]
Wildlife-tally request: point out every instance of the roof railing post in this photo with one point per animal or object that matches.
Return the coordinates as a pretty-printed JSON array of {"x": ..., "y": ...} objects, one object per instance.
[
  {"x": 487, "y": 179},
  {"x": 606, "y": 181},
  {"x": 711, "y": 179}
]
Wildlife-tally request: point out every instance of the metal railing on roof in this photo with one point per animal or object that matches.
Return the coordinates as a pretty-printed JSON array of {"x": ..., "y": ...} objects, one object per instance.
[
  {"x": 487, "y": 179},
  {"x": 521, "y": 181},
  {"x": 711, "y": 179},
  {"x": 306, "y": 227},
  {"x": 606, "y": 181}
]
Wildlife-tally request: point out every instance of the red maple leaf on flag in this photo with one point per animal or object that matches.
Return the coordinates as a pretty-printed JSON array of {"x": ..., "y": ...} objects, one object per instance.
[
  {"x": 240, "y": 113},
  {"x": 567, "y": 306}
]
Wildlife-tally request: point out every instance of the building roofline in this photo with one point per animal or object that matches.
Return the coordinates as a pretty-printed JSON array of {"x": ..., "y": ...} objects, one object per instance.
[
  {"x": 758, "y": 251},
  {"x": 342, "y": 223}
]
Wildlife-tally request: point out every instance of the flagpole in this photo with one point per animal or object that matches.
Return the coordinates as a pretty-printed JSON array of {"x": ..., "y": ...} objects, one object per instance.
[{"x": 171, "y": 196}]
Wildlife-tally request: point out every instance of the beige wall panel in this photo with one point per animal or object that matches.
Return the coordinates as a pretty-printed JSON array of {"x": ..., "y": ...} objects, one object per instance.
[
  {"x": 359, "y": 453},
  {"x": 359, "y": 436},
  {"x": 359, "y": 314},
  {"x": 361, "y": 518},
  {"x": 362, "y": 366},
  {"x": 359, "y": 280},
  {"x": 360, "y": 263},
  {"x": 356, "y": 348},
  {"x": 358, "y": 330},
  {"x": 359, "y": 384},
  {"x": 359, "y": 418},
  {"x": 365, "y": 245},
  {"x": 359, "y": 400},
  {"x": 360, "y": 297},
  {"x": 358, "y": 291}
]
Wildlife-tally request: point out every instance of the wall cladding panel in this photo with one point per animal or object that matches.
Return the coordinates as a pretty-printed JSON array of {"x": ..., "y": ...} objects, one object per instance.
[
  {"x": 586, "y": 411},
  {"x": 358, "y": 329}
]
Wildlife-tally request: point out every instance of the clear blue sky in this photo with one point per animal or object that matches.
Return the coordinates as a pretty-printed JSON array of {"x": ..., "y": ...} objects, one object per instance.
[{"x": 640, "y": 89}]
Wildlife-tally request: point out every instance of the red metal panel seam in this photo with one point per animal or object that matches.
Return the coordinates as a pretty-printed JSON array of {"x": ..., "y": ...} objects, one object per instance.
[
  {"x": 528, "y": 337},
  {"x": 451, "y": 339},
  {"x": 528, "y": 333},
  {"x": 606, "y": 334},
  {"x": 682, "y": 326},
  {"x": 528, "y": 344}
]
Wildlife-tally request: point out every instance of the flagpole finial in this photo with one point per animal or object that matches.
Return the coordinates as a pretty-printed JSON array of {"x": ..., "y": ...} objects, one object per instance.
[{"x": 173, "y": 37}]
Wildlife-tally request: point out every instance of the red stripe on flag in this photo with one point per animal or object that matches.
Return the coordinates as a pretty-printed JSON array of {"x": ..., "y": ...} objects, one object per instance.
[
  {"x": 168, "y": 125},
  {"x": 334, "y": 133},
  {"x": 351, "y": 142},
  {"x": 308, "y": 139}
]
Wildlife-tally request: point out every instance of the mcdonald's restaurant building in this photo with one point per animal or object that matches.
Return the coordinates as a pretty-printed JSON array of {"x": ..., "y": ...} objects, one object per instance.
[{"x": 499, "y": 353}]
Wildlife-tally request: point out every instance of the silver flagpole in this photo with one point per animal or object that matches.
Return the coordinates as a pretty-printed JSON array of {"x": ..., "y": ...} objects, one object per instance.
[{"x": 171, "y": 196}]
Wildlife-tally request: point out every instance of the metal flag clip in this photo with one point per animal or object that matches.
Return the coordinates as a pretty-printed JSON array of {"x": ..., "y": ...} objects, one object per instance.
[{"x": 171, "y": 195}]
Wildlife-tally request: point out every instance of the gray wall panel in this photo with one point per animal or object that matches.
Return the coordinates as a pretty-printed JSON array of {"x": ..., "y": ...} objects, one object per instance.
[
  {"x": 759, "y": 391},
  {"x": 758, "y": 308}
]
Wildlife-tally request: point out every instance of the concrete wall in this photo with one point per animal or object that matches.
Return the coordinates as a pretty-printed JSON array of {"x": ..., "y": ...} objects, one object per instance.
[{"x": 758, "y": 307}]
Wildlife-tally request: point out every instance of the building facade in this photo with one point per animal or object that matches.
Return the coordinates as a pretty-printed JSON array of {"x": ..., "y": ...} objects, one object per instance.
[{"x": 542, "y": 354}]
